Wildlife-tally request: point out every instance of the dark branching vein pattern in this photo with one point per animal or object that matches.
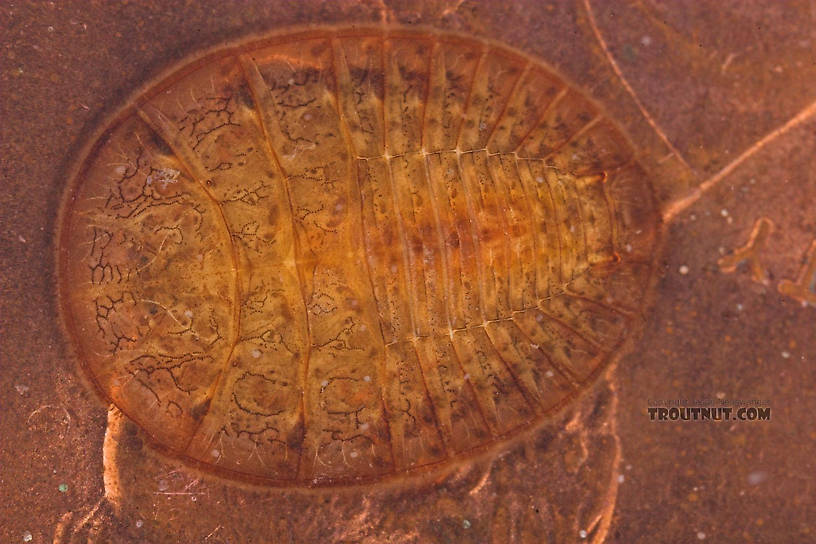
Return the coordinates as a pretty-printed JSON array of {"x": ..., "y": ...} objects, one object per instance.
[
  {"x": 192, "y": 166},
  {"x": 343, "y": 255},
  {"x": 359, "y": 228},
  {"x": 271, "y": 130}
]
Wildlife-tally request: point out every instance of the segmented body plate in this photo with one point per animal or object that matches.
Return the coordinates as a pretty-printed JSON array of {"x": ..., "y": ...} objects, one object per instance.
[{"x": 334, "y": 256}]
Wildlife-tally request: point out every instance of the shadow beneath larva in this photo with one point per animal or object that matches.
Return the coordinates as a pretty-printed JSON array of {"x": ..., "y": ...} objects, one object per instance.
[{"x": 558, "y": 483}]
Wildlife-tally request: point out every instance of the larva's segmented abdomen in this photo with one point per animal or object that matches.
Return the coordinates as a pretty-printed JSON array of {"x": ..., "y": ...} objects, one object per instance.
[{"x": 336, "y": 256}]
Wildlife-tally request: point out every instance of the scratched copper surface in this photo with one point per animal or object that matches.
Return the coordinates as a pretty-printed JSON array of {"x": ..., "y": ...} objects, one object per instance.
[{"x": 718, "y": 102}]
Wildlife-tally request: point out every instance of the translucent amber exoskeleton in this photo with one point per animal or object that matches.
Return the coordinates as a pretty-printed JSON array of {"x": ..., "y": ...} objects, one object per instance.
[{"x": 339, "y": 255}]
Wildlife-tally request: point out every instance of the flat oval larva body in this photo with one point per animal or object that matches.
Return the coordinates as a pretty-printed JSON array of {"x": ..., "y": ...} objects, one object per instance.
[{"x": 336, "y": 256}]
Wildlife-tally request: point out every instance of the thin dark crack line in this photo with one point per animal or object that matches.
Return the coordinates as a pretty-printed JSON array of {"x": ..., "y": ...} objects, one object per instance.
[
  {"x": 472, "y": 220},
  {"x": 353, "y": 173},
  {"x": 556, "y": 99},
  {"x": 537, "y": 213},
  {"x": 509, "y": 256},
  {"x": 437, "y": 422},
  {"x": 574, "y": 331},
  {"x": 469, "y": 96},
  {"x": 572, "y": 137},
  {"x": 409, "y": 283},
  {"x": 406, "y": 258},
  {"x": 525, "y": 394},
  {"x": 188, "y": 160},
  {"x": 501, "y": 203},
  {"x": 439, "y": 237},
  {"x": 342, "y": 74},
  {"x": 568, "y": 374},
  {"x": 570, "y": 259},
  {"x": 383, "y": 103},
  {"x": 429, "y": 75},
  {"x": 477, "y": 250},
  {"x": 624, "y": 313},
  {"x": 528, "y": 211},
  {"x": 556, "y": 223},
  {"x": 571, "y": 192},
  {"x": 435, "y": 74},
  {"x": 425, "y": 270},
  {"x": 469, "y": 385},
  {"x": 261, "y": 94},
  {"x": 526, "y": 70},
  {"x": 461, "y": 177},
  {"x": 443, "y": 248}
]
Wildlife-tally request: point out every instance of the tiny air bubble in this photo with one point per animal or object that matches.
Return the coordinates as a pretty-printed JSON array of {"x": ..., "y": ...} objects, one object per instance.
[{"x": 757, "y": 477}]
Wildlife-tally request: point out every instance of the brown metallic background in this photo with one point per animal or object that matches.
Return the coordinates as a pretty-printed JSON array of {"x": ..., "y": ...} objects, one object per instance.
[{"x": 702, "y": 87}]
